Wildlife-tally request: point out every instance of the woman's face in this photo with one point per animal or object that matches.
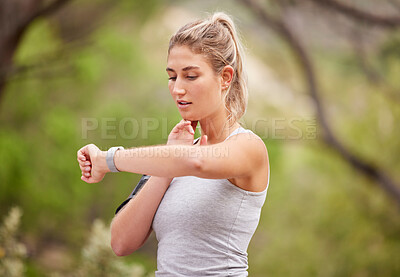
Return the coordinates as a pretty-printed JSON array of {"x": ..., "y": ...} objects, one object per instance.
[{"x": 192, "y": 80}]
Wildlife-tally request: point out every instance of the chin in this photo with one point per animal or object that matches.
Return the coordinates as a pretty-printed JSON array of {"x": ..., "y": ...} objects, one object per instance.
[{"x": 188, "y": 117}]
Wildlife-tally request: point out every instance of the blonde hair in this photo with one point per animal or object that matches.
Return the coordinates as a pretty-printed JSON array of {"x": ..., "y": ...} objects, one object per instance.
[{"x": 216, "y": 38}]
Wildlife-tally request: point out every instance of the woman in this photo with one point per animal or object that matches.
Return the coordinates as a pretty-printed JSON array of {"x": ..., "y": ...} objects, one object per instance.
[{"x": 204, "y": 197}]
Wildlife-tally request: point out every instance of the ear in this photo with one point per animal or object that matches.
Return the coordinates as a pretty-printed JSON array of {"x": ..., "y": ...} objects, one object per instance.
[{"x": 226, "y": 76}]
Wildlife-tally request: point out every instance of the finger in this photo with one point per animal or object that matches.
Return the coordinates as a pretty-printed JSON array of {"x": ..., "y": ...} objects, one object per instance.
[
  {"x": 89, "y": 180},
  {"x": 189, "y": 128},
  {"x": 181, "y": 123},
  {"x": 186, "y": 123},
  {"x": 85, "y": 168},
  {"x": 86, "y": 179},
  {"x": 180, "y": 126},
  {"x": 86, "y": 174},
  {"x": 84, "y": 151},
  {"x": 83, "y": 164},
  {"x": 203, "y": 140},
  {"x": 86, "y": 171},
  {"x": 176, "y": 129},
  {"x": 81, "y": 158}
]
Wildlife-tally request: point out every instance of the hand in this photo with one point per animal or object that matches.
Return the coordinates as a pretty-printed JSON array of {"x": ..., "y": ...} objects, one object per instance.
[
  {"x": 92, "y": 162},
  {"x": 183, "y": 133}
]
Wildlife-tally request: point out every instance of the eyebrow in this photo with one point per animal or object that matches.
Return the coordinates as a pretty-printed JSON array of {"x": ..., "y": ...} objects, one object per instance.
[{"x": 187, "y": 68}]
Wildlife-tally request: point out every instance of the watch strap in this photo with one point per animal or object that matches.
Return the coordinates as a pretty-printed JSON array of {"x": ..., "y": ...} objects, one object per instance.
[{"x": 110, "y": 158}]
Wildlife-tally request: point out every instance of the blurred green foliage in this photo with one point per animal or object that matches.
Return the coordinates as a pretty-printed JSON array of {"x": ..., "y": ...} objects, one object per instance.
[
  {"x": 97, "y": 258},
  {"x": 320, "y": 218}
]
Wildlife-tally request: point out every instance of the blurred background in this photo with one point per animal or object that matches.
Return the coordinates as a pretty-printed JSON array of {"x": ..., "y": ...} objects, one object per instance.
[{"x": 324, "y": 80}]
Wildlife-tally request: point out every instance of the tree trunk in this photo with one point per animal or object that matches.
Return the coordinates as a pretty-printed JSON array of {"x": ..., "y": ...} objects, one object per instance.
[{"x": 15, "y": 18}]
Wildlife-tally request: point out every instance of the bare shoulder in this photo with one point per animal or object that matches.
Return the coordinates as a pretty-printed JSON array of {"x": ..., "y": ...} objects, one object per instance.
[
  {"x": 250, "y": 143},
  {"x": 242, "y": 159},
  {"x": 254, "y": 153}
]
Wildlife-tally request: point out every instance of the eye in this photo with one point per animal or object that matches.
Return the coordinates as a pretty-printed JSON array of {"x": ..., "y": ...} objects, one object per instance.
[
  {"x": 172, "y": 78},
  {"x": 192, "y": 77}
]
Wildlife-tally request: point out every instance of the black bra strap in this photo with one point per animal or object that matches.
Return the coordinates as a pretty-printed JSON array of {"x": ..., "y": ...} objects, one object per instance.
[{"x": 137, "y": 188}]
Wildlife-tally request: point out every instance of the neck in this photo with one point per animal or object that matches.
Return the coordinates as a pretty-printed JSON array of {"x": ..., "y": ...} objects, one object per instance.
[{"x": 217, "y": 130}]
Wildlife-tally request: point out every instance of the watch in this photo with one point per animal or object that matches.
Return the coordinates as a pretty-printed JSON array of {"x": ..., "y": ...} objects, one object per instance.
[{"x": 110, "y": 158}]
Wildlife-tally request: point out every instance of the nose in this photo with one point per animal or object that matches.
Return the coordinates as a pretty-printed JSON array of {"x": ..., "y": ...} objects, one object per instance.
[{"x": 178, "y": 88}]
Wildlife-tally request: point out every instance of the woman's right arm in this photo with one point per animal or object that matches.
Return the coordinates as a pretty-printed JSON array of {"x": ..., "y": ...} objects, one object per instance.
[{"x": 131, "y": 226}]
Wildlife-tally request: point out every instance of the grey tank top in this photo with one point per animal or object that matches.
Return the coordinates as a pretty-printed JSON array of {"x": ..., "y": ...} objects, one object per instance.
[{"x": 204, "y": 226}]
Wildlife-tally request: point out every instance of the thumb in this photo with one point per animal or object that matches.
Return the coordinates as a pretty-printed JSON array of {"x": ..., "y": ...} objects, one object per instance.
[{"x": 203, "y": 140}]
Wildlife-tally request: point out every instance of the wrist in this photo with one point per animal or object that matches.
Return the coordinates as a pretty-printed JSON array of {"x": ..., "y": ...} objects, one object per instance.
[
  {"x": 115, "y": 158},
  {"x": 102, "y": 162},
  {"x": 111, "y": 157}
]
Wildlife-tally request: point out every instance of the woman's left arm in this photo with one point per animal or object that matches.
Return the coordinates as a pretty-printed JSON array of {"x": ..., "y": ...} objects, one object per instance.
[{"x": 238, "y": 156}]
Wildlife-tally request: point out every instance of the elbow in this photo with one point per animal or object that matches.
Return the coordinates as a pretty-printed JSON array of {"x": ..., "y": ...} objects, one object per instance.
[
  {"x": 123, "y": 248},
  {"x": 121, "y": 245},
  {"x": 118, "y": 248}
]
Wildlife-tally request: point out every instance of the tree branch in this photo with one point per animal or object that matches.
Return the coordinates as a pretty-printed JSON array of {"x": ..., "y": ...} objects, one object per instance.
[
  {"x": 395, "y": 4},
  {"x": 372, "y": 75},
  {"x": 360, "y": 15},
  {"x": 282, "y": 30},
  {"x": 15, "y": 27},
  {"x": 45, "y": 11}
]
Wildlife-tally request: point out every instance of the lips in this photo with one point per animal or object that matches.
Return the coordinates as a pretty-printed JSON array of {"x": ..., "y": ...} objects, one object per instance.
[{"x": 181, "y": 102}]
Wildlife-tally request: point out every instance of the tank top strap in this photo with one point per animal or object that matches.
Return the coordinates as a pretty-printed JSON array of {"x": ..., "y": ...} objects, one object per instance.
[{"x": 238, "y": 131}]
